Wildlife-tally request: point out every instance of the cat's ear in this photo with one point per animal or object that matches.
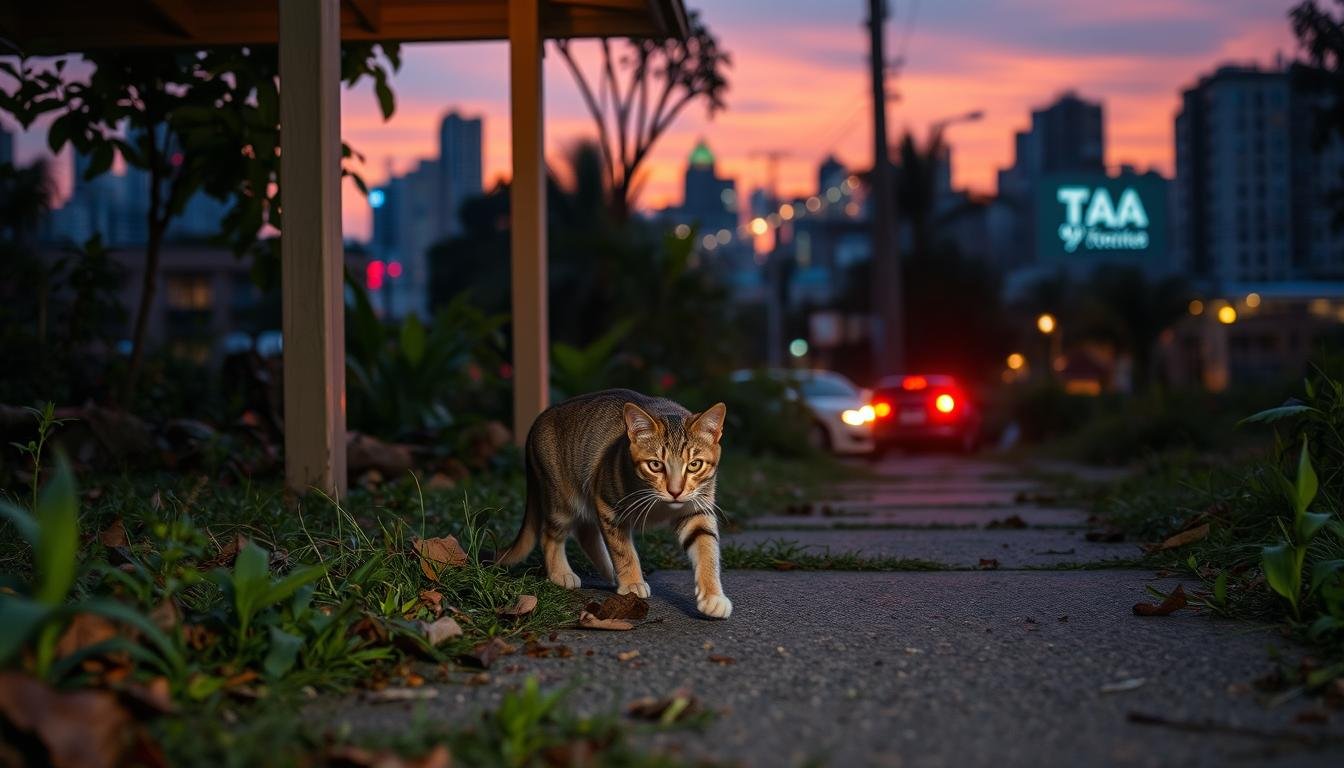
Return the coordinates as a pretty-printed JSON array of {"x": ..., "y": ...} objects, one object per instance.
[
  {"x": 638, "y": 422},
  {"x": 710, "y": 422}
]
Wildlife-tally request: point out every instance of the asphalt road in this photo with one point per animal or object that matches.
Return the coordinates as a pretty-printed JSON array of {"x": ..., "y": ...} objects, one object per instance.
[{"x": 954, "y": 668}]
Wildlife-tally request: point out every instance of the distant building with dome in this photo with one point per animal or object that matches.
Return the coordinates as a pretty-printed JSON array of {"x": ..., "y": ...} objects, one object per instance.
[{"x": 709, "y": 201}]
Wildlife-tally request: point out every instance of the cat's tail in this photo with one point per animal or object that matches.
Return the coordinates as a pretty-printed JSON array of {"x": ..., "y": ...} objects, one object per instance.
[{"x": 527, "y": 536}]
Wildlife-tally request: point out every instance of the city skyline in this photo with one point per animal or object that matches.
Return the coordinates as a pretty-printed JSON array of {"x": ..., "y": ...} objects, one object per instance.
[{"x": 799, "y": 84}]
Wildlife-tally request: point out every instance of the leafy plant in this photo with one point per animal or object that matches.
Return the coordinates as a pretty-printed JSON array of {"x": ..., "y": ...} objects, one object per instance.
[
  {"x": 412, "y": 377},
  {"x": 46, "y": 422},
  {"x": 249, "y": 590},
  {"x": 41, "y": 608},
  {"x": 1283, "y": 562},
  {"x": 579, "y": 369}
]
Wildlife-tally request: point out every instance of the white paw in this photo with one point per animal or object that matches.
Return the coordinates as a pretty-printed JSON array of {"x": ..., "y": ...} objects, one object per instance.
[
  {"x": 568, "y": 580},
  {"x": 715, "y": 606},
  {"x": 638, "y": 589}
]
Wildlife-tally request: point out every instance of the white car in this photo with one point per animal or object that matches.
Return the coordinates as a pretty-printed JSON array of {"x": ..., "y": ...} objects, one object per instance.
[{"x": 842, "y": 418}]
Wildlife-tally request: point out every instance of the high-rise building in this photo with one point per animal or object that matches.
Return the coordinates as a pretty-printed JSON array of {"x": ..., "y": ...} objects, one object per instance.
[
  {"x": 414, "y": 211},
  {"x": 459, "y": 166},
  {"x": 709, "y": 201},
  {"x": 831, "y": 173},
  {"x": 1253, "y": 192},
  {"x": 1065, "y": 137}
]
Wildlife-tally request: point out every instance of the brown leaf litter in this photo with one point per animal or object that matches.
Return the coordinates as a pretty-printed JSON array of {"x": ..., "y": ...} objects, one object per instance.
[
  {"x": 439, "y": 553},
  {"x": 1174, "y": 601}
]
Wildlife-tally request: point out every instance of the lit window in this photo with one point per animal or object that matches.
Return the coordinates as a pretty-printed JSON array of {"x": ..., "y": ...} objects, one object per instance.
[{"x": 191, "y": 292}]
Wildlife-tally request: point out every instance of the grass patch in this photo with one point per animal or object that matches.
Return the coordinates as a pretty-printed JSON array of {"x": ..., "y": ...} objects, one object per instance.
[
  {"x": 528, "y": 727},
  {"x": 1261, "y": 531},
  {"x": 239, "y": 604}
]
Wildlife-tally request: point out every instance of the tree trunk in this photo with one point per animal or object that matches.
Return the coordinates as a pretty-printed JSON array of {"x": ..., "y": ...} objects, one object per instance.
[{"x": 148, "y": 287}]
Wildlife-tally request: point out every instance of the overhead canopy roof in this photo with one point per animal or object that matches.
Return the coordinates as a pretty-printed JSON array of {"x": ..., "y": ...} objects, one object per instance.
[{"x": 55, "y": 26}]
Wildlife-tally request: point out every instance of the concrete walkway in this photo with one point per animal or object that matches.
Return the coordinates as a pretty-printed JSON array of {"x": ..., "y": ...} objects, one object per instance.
[{"x": 954, "y": 668}]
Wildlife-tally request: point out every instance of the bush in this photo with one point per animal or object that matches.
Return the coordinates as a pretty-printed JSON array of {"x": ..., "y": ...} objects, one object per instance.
[{"x": 412, "y": 379}]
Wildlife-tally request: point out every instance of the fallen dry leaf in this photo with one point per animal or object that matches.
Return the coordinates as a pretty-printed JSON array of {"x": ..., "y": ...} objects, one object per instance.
[
  {"x": 371, "y": 630},
  {"x": 1173, "y": 602},
  {"x": 80, "y": 729},
  {"x": 785, "y": 565},
  {"x": 432, "y": 599},
  {"x": 1197, "y": 533},
  {"x": 525, "y": 605},
  {"x": 1120, "y": 686},
  {"x": 589, "y": 621},
  {"x": 438, "y": 553},
  {"x": 154, "y": 696},
  {"x": 1312, "y": 717},
  {"x": 677, "y": 706},
  {"x": 440, "y": 482},
  {"x": 114, "y": 535},
  {"x": 166, "y": 615},
  {"x": 241, "y": 679},
  {"x": 722, "y": 660},
  {"x": 1011, "y": 521},
  {"x": 536, "y": 650},
  {"x": 85, "y": 629},
  {"x": 485, "y": 654},
  {"x": 441, "y": 629},
  {"x": 988, "y": 563},
  {"x": 628, "y": 607},
  {"x": 406, "y": 693},
  {"x": 627, "y": 655},
  {"x": 227, "y": 553},
  {"x": 359, "y": 757}
]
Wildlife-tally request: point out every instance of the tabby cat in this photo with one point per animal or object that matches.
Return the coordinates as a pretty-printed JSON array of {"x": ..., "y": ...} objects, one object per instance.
[{"x": 600, "y": 465}]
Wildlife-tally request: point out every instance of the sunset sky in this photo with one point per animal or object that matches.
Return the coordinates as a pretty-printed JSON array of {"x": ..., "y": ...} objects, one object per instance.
[{"x": 799, "y": 84}]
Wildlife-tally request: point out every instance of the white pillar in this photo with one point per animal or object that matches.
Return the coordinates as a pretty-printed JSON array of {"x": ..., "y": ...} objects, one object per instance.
[
  {"x": 312, "y": 256},
  {"x": 531, "y": 366}
]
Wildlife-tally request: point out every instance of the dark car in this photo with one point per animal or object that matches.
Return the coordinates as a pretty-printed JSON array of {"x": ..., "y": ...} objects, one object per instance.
[{"x": 922, "y": 409}]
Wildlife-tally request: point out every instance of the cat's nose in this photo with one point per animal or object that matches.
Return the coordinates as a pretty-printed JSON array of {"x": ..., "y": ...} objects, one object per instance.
[{"x": 674, "y": 494}]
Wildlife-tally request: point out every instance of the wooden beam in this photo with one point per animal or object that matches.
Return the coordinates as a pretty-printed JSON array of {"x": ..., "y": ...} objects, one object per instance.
[
  {"x": 177, "y": 14},
  {"x": 312, "y": 255},
  {"x": 370, "y": 13},
  {"x": 531, "y": 338}
]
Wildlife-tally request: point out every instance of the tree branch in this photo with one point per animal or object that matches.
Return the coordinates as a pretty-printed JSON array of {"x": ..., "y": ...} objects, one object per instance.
[{"x": 586, "y": 91}]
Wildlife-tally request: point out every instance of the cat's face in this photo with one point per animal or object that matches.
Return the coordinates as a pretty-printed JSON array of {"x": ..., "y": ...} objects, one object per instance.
[{"x": 676, "y": 457}]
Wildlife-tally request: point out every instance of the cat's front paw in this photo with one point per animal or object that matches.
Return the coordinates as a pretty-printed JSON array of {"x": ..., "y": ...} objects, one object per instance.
[
  {"x": 638, "y": 589},
  {"x": 568, "y": 580},
  {"x": 715, "y": 606}
]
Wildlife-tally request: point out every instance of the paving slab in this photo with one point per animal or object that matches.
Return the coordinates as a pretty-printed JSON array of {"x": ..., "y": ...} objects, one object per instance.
[
  {"x": 917, "y": 669},
  {"x": 1031, "y": 547},
  {"x": 923, "y": 517},
  {"x": 928, "y": 497}
]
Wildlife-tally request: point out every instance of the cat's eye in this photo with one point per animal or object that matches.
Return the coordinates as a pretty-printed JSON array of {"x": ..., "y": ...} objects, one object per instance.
[
  {"x": 654, "y": 465},
  {"x": 695, "y": 466}
]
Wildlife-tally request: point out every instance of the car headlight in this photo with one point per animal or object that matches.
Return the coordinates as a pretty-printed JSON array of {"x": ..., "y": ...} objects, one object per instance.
[{"x": 853, "y": 418}]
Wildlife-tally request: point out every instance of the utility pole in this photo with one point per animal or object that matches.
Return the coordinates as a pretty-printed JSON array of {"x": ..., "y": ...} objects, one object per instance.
[
  {"x": 888, "y": 338},
  {"x": 774, "y": 270}
]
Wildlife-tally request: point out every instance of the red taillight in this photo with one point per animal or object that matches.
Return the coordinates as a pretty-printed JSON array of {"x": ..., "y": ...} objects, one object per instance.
[
  {"x": 914, "y": 383},
  {"x": 882, "y": 409},
  {"x": 945, "y": 403}
]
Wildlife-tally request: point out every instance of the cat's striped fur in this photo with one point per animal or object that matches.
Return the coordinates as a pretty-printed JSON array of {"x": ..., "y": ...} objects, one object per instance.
[{"x": 601, "y": 465}]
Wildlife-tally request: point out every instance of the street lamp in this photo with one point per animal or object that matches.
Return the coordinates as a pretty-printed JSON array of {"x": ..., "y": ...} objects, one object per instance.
[{"x": 1049, "y": 327}]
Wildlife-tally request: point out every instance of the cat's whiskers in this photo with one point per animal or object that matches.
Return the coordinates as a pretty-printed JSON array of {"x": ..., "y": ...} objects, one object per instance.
[{"x": 643, "y": 497}]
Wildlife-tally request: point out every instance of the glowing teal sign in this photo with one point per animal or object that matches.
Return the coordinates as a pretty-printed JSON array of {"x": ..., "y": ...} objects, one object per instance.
[{"x": 1085, "y": 218}]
